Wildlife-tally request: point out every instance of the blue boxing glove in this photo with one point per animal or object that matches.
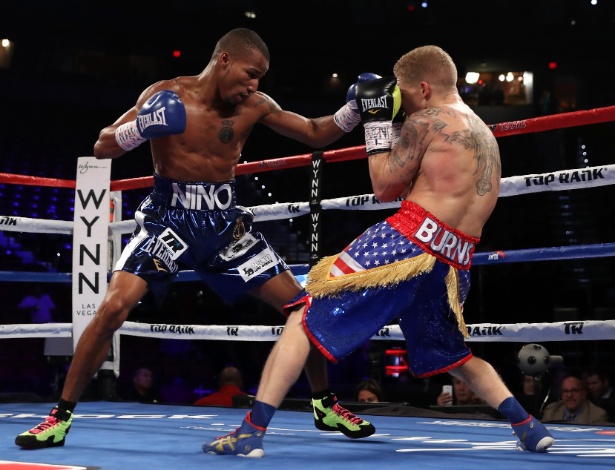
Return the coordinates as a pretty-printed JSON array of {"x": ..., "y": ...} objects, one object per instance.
[
  {"x": 351, "y": 94},
  {"x": 163, "y": 114},
  {"x": 378, "y": 102},
  {"x": 348, "y": 116}
]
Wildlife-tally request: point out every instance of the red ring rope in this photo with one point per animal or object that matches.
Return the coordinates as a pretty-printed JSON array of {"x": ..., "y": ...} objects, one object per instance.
[{"x": 524, "y": 126}]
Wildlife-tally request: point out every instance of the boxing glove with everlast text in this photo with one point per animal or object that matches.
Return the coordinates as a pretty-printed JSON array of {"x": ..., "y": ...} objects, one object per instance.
[
  {"x": 378, "y": 102},
  {"x": 163, "y": 114},
  {"x": 347, "y": 117}
]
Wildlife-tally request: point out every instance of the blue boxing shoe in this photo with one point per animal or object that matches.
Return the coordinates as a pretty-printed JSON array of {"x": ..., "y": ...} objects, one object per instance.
[
  {"x": 245, "y": 441},
  {"x": 533, "y": 435}
]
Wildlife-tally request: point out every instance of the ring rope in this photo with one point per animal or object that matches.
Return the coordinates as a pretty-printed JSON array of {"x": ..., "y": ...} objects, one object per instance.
[
  {"x": 524, "y": 126},
  {"x": 526, "y": 255},
  {"x": 590, "y": 330},
  {"x": 581, "y": 178}
]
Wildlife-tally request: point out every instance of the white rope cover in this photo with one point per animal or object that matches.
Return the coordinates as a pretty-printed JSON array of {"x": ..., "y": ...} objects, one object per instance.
[
  {"x": 481, "y": 332},
  {"x": 580, "y": 178}
]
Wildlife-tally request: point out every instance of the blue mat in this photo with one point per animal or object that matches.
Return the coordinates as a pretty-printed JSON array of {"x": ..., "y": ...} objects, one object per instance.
[{"x": 130, "y": 436}]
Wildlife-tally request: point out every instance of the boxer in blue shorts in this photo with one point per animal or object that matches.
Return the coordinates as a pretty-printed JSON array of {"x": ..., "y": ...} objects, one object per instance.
[
  {"x": 198, "y": 226},
  {"x": 196, "y": 127},
  {"x": 444, "y": 162}
]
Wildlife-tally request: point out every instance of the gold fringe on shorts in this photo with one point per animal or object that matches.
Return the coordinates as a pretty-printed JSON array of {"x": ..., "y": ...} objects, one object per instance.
[{"x": 321, "y": 284}]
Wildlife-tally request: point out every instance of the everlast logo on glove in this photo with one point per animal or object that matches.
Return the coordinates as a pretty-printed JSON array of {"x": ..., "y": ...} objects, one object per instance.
[
  {"x": 378, "y": 102},
  {"x": 381, "y": 102},
  {"x": 152, "y": 119}
]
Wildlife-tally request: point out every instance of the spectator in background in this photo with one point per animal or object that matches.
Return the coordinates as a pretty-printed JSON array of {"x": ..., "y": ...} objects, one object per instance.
[
  {"x": 369, "y": 391},
  {"x": 600, "y": 391},
  {"x": 39, "y": 305},
  {"x": 574, "y": 407},
  {"x": 462, "y": 395},
  {"x": 231, "y": 384},
  {"x": 141, "y": 389}
]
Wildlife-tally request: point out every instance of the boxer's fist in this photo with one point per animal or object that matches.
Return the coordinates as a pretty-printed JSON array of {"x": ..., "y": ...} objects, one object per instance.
[
  {"x": 163, "y": 114},
  {"x": 378, "y": 101},
  {"x": 347, "y": 117},
  {"x": 351, "y": 94}
]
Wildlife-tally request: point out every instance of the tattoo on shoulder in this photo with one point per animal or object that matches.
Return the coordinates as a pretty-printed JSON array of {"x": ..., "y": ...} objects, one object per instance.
[
  {"x": 487, "y": 163},
  {"x": 273, "y": 106},
  {"x": 480, "y": 141},
  {"x": 431, "y": 120},
  {"x": 411, "y": 144},
  {"x": 226, "y": 133},
  {"x": 436, "y": 112},
  {"x": 412, "y": 139}
]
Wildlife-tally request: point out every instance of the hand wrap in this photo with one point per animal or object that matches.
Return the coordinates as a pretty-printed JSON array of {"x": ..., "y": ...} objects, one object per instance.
[{"x": 128, "y": 137}]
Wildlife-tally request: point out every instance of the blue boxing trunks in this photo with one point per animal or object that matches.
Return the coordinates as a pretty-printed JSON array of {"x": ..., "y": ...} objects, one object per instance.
[
  {"x": 198, "y": 226},
  {"x": 410, "y": 267}
]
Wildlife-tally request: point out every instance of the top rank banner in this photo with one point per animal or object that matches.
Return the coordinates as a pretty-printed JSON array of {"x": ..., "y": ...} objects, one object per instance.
[{"x": 90, "y": 240}]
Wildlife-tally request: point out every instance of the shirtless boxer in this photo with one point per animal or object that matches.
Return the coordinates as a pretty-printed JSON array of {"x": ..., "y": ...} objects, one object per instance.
[
  {"x": 197, "y": 127},
  {"x": 415, "y": 264}
]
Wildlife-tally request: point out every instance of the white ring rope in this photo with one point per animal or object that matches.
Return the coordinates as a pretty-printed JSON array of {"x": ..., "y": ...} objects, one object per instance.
[
  {"x": 590, "y": 330},
  {"x": 580, "y": 178},
  {"x": 483, "y": 332}
]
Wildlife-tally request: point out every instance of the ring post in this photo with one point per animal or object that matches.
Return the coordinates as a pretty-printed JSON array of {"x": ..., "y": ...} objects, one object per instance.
[
  {"x": 90, "y": 248},
  {"x": 315, "y": 198}
]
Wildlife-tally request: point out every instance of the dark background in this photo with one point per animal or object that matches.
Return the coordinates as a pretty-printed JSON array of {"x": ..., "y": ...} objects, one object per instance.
[{"x": 76, "y": 66}]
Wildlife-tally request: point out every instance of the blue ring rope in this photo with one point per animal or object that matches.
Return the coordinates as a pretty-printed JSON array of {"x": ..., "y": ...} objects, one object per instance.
[{"x": 601, "y": 250}]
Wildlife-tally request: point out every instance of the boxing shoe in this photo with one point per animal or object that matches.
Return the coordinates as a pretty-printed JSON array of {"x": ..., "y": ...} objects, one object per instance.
[
  {"x": 330, "y": 416},
  {"x": 50, "y": 433},
  {"x": 245, "y": 441},
  {"x": 533, "y": 435}
]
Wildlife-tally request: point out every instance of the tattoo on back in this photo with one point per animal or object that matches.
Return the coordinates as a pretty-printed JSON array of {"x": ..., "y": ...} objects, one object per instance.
[
  {"x": 475, "y": 138},
  {"x": 226, "y": 133}
]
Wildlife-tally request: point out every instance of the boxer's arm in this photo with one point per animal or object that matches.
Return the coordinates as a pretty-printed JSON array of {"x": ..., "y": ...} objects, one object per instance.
[
  {"x": 379, "y": 103},
  {"x": 393, "y": 172},
  {"x": 157, "y": 113},
  {"x": 106, "y": 146},
  {"x": 315, "y": 132}
]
